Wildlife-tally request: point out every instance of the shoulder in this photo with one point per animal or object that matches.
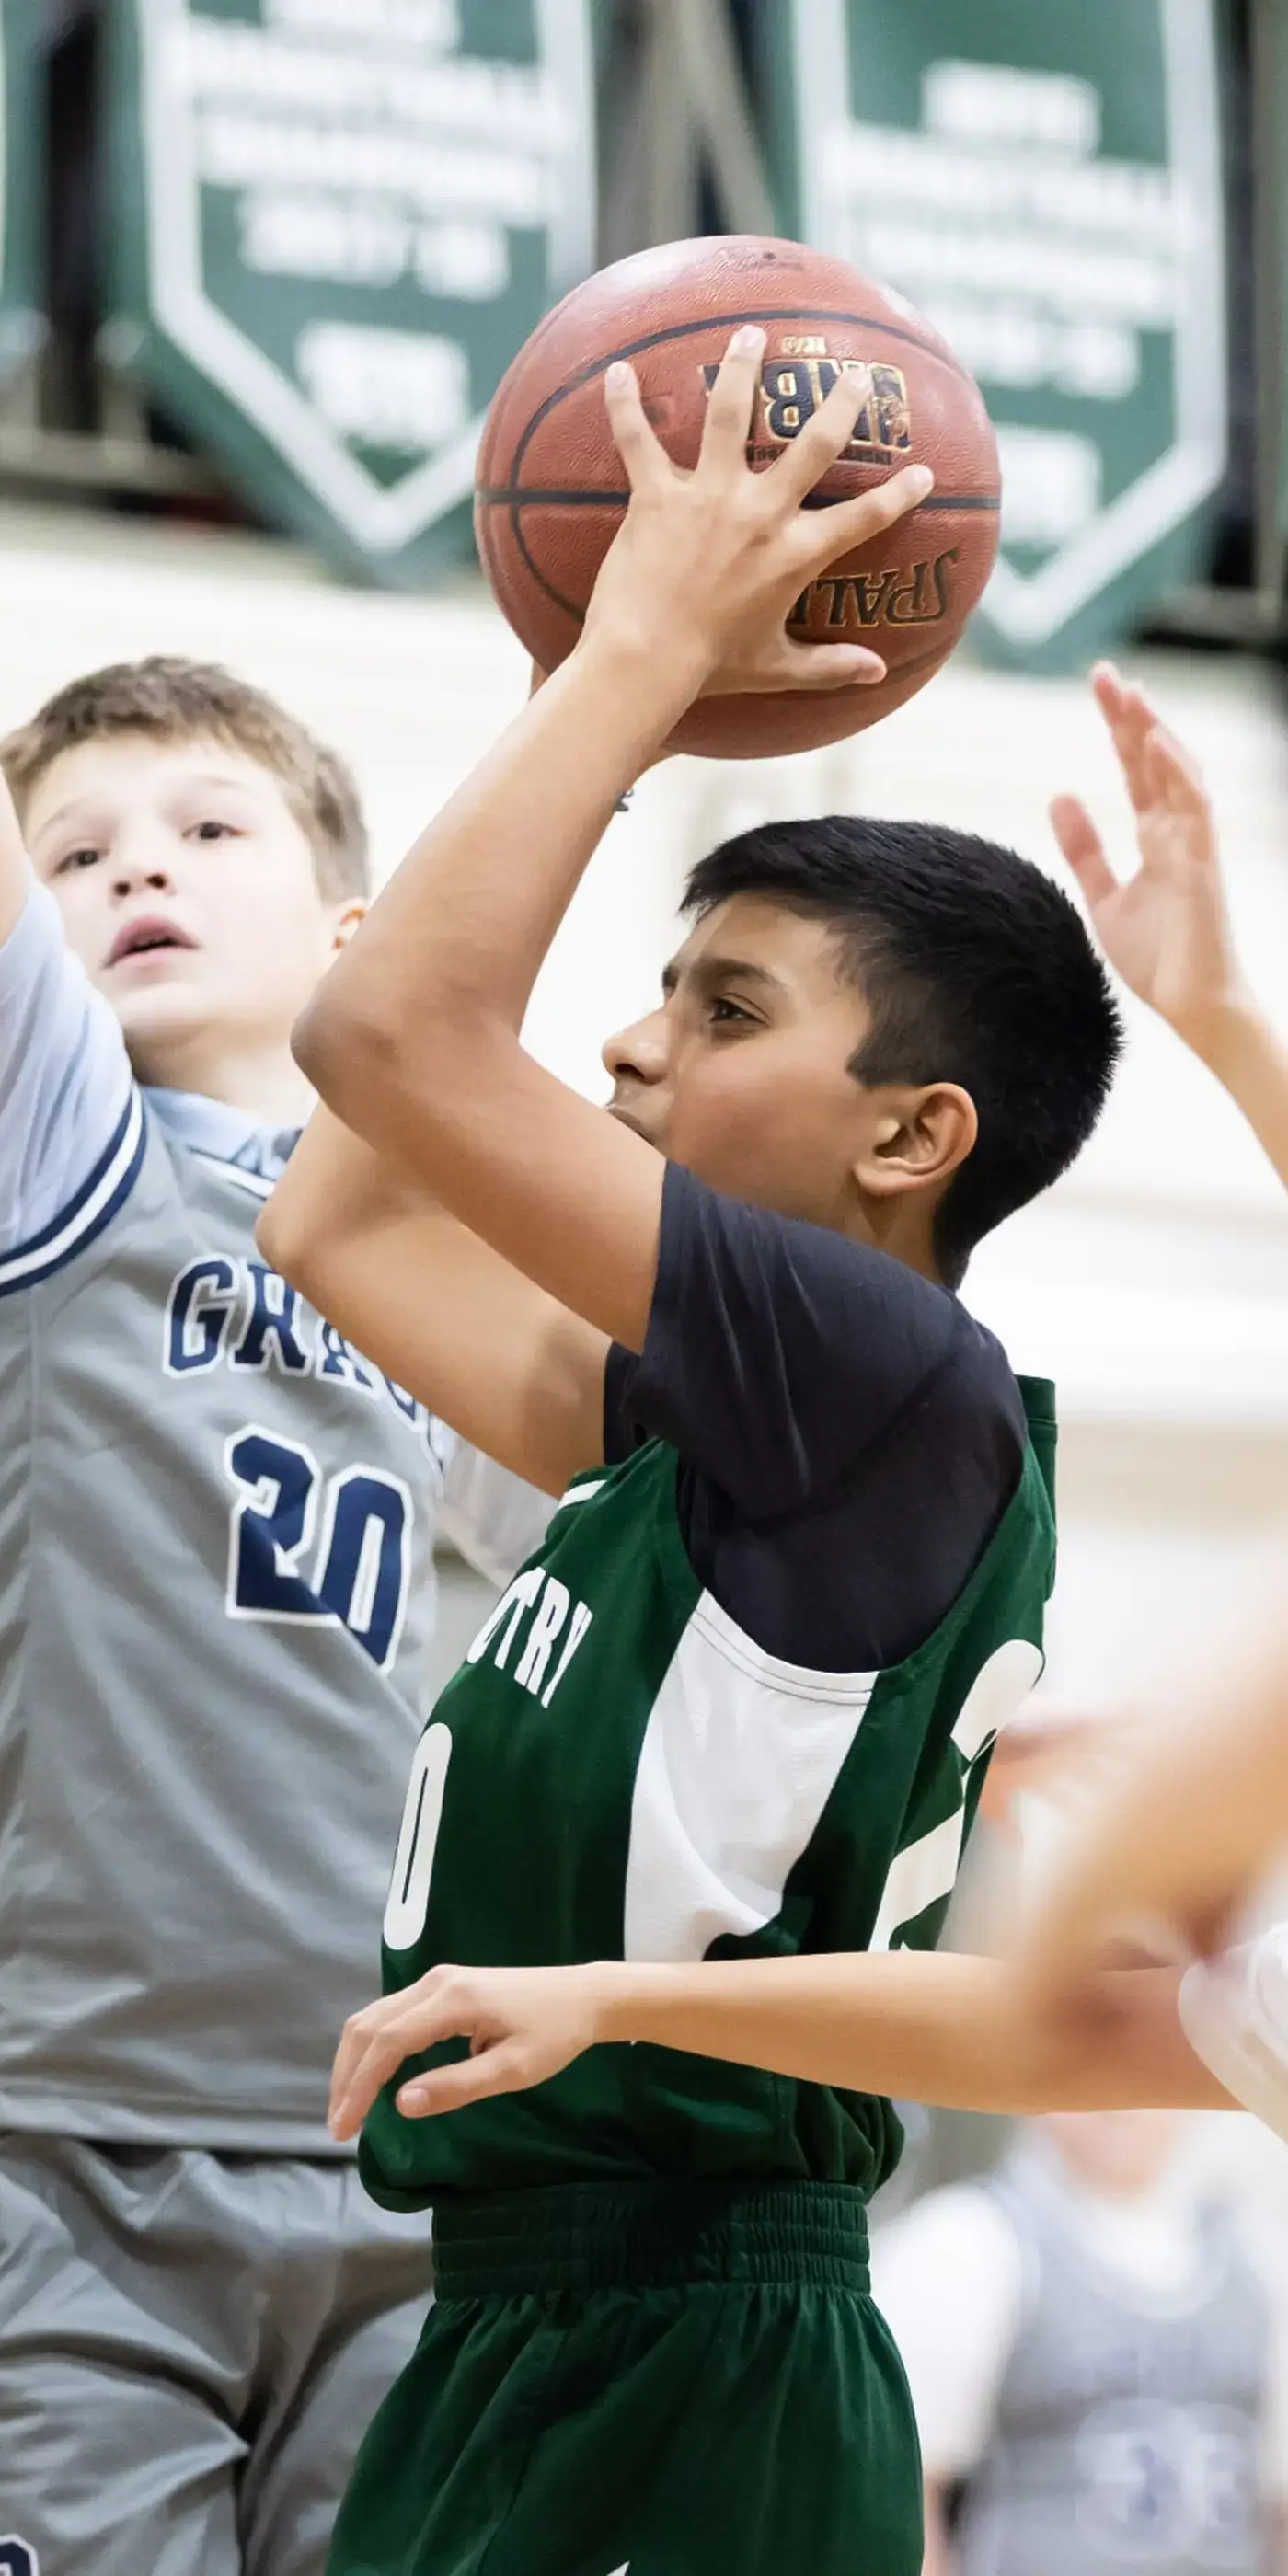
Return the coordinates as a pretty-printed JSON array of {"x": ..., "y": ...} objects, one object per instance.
[
  {"x": 824, "y": 1287},
  {"x": 974, "y": 1397},
  {"x": 805, "y": 1327}
]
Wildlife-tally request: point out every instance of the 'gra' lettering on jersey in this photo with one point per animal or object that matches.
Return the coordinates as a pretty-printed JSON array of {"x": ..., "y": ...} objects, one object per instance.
[
  {"x": 551, "y": 1615},
  {"x": 242, "y": 1314}
]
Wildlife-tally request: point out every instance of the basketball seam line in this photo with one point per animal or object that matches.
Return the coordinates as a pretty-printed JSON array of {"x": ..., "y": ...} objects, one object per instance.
[
  {"x": 524, "y": 496},
  {"x": 725, "y": 322},
  {"x": 568, "y": 606},
  {"x": 728, "y": 322}
]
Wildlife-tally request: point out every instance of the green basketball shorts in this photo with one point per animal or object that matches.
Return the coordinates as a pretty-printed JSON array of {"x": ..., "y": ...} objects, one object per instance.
[{"x": 665, "y": 2380}]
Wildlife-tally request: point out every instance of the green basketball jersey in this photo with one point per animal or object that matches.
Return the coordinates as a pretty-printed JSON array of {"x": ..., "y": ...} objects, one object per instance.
[{"x": 619, "y": 1771}]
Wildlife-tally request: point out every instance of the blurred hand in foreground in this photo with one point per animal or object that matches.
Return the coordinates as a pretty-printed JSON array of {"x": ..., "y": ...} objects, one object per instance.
[{"x": 1167, "y": 1847}]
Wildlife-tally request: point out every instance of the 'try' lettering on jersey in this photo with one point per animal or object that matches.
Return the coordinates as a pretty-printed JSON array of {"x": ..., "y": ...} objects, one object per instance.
[{"x": 542, "y": 1607}]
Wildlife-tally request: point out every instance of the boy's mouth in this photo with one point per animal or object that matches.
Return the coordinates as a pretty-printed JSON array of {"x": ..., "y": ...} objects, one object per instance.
[
  {"x": 140, "y": 937},
  {"x": 617, "y": 1109}
]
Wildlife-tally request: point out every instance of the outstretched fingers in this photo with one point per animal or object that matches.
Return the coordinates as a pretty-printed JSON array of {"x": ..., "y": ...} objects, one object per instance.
[
  {"x": 1084, "y": 849},
  {"x": 1154, "y": 764},
  {"x": 1123, "y": 705},
  {"x": 638, "y": 445},
  {"x": 823, "y": 536},
  {"x": 727, "y": 426},
  {"x": 822, "y": 438},
  {"x": 1131, "y": 720},
  {"x": 1170, "y": 778}
]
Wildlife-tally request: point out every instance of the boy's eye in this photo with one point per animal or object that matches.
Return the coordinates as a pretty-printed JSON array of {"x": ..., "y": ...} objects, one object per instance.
[
  {"x": 210, "y": 830},
  {"x": 725, "y": 1013},
  {"x": 83, "y": 857}
]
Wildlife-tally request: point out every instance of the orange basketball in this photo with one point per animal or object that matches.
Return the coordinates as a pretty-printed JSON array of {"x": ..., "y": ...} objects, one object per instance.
[{"x": 550, "y": 489}]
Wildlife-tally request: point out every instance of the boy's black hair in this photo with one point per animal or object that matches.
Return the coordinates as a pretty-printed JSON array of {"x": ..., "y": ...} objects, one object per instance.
[{"x": 977, "y": 970}]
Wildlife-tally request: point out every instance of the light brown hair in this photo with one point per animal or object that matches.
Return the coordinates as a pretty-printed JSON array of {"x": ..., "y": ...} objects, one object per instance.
[{"x": 179, "y": 701}]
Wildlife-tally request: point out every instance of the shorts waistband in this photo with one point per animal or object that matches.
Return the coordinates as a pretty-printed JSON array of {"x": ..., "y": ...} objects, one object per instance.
[{"x": 581, "y": 2238}]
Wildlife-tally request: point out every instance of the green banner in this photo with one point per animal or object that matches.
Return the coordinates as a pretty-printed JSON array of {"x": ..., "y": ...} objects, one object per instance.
[
  {"x": 1044, "y": 183},
  {"x": 23, "y": 127},
  {"x": 336, "y": 221}
]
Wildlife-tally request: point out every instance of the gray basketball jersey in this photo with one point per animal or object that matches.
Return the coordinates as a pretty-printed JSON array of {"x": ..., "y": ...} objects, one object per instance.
[
  {"x": 216, "y": 1599},
  {"x": 1128, "y": 2428}
]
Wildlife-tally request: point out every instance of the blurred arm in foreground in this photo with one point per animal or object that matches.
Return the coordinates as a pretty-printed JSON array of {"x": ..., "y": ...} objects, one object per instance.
[{"x": 1172, "y": 1847}]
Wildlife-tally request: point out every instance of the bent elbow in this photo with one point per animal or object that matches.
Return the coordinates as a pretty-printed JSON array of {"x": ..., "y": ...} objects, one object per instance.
[
  {"x": 331, "y": 1040},
  {"x": 354, "y": 1058},
  {"x": 374, "y": 1060},
  {"x": 282, "y": 1239}
]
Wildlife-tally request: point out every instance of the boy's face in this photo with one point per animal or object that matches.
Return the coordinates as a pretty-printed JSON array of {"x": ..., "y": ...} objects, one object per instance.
[
  {"x": 188, "y": 891},
  {"x": 742, "y": 1073}
]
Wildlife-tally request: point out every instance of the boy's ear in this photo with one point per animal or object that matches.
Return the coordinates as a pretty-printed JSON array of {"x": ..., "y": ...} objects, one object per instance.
[{"x": 918, "y": 1139}]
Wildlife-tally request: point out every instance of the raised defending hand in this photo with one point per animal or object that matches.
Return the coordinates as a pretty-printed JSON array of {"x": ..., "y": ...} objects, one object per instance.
[
  {"x": 523, "y": 2025},
  {"x": 707, "y": 566},
  {"x": 1166, "y": 929}
]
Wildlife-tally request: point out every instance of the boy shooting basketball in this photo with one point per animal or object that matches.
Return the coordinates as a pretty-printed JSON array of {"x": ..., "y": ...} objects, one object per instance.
[
  {"x": 216, "y": 1599},
  {"x": 743, "y": 1698},
  {"x": 1200, "y": 1806}
]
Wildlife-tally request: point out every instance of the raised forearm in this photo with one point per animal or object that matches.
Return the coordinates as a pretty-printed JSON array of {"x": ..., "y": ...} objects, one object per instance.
[
  {"x": 1249, "y": 1058},
  {"x": 455, "y": 942},
  {"x": 413, "y": 1041},
  {"x": 938, "y": 2028}
]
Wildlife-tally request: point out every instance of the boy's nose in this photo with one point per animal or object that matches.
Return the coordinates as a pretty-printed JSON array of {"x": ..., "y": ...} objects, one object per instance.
[
  {"x": 138, "y": 860},
  {"x": 639, "y": 1051}
]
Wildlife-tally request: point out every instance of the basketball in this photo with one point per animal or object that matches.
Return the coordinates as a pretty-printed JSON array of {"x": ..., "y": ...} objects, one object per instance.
[{"x": 551, "y": 491}]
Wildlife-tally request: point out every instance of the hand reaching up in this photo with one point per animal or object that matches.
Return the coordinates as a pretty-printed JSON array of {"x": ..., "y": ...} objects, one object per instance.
[{"x": 1166, "y": 930}]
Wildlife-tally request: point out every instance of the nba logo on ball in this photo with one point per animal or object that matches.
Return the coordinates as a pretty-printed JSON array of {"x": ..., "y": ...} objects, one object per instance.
[
  {"x": 794, "y": 381},
  {"x": 550, "y": 492},
  {"x": 793, "y": 384}
]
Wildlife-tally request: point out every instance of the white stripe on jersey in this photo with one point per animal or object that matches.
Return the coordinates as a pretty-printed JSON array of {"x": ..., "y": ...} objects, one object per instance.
[{"x": 89, "y": 1212}]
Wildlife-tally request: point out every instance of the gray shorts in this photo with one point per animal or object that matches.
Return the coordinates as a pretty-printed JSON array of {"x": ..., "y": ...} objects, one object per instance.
[{"x": 191, "y": 2348}]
